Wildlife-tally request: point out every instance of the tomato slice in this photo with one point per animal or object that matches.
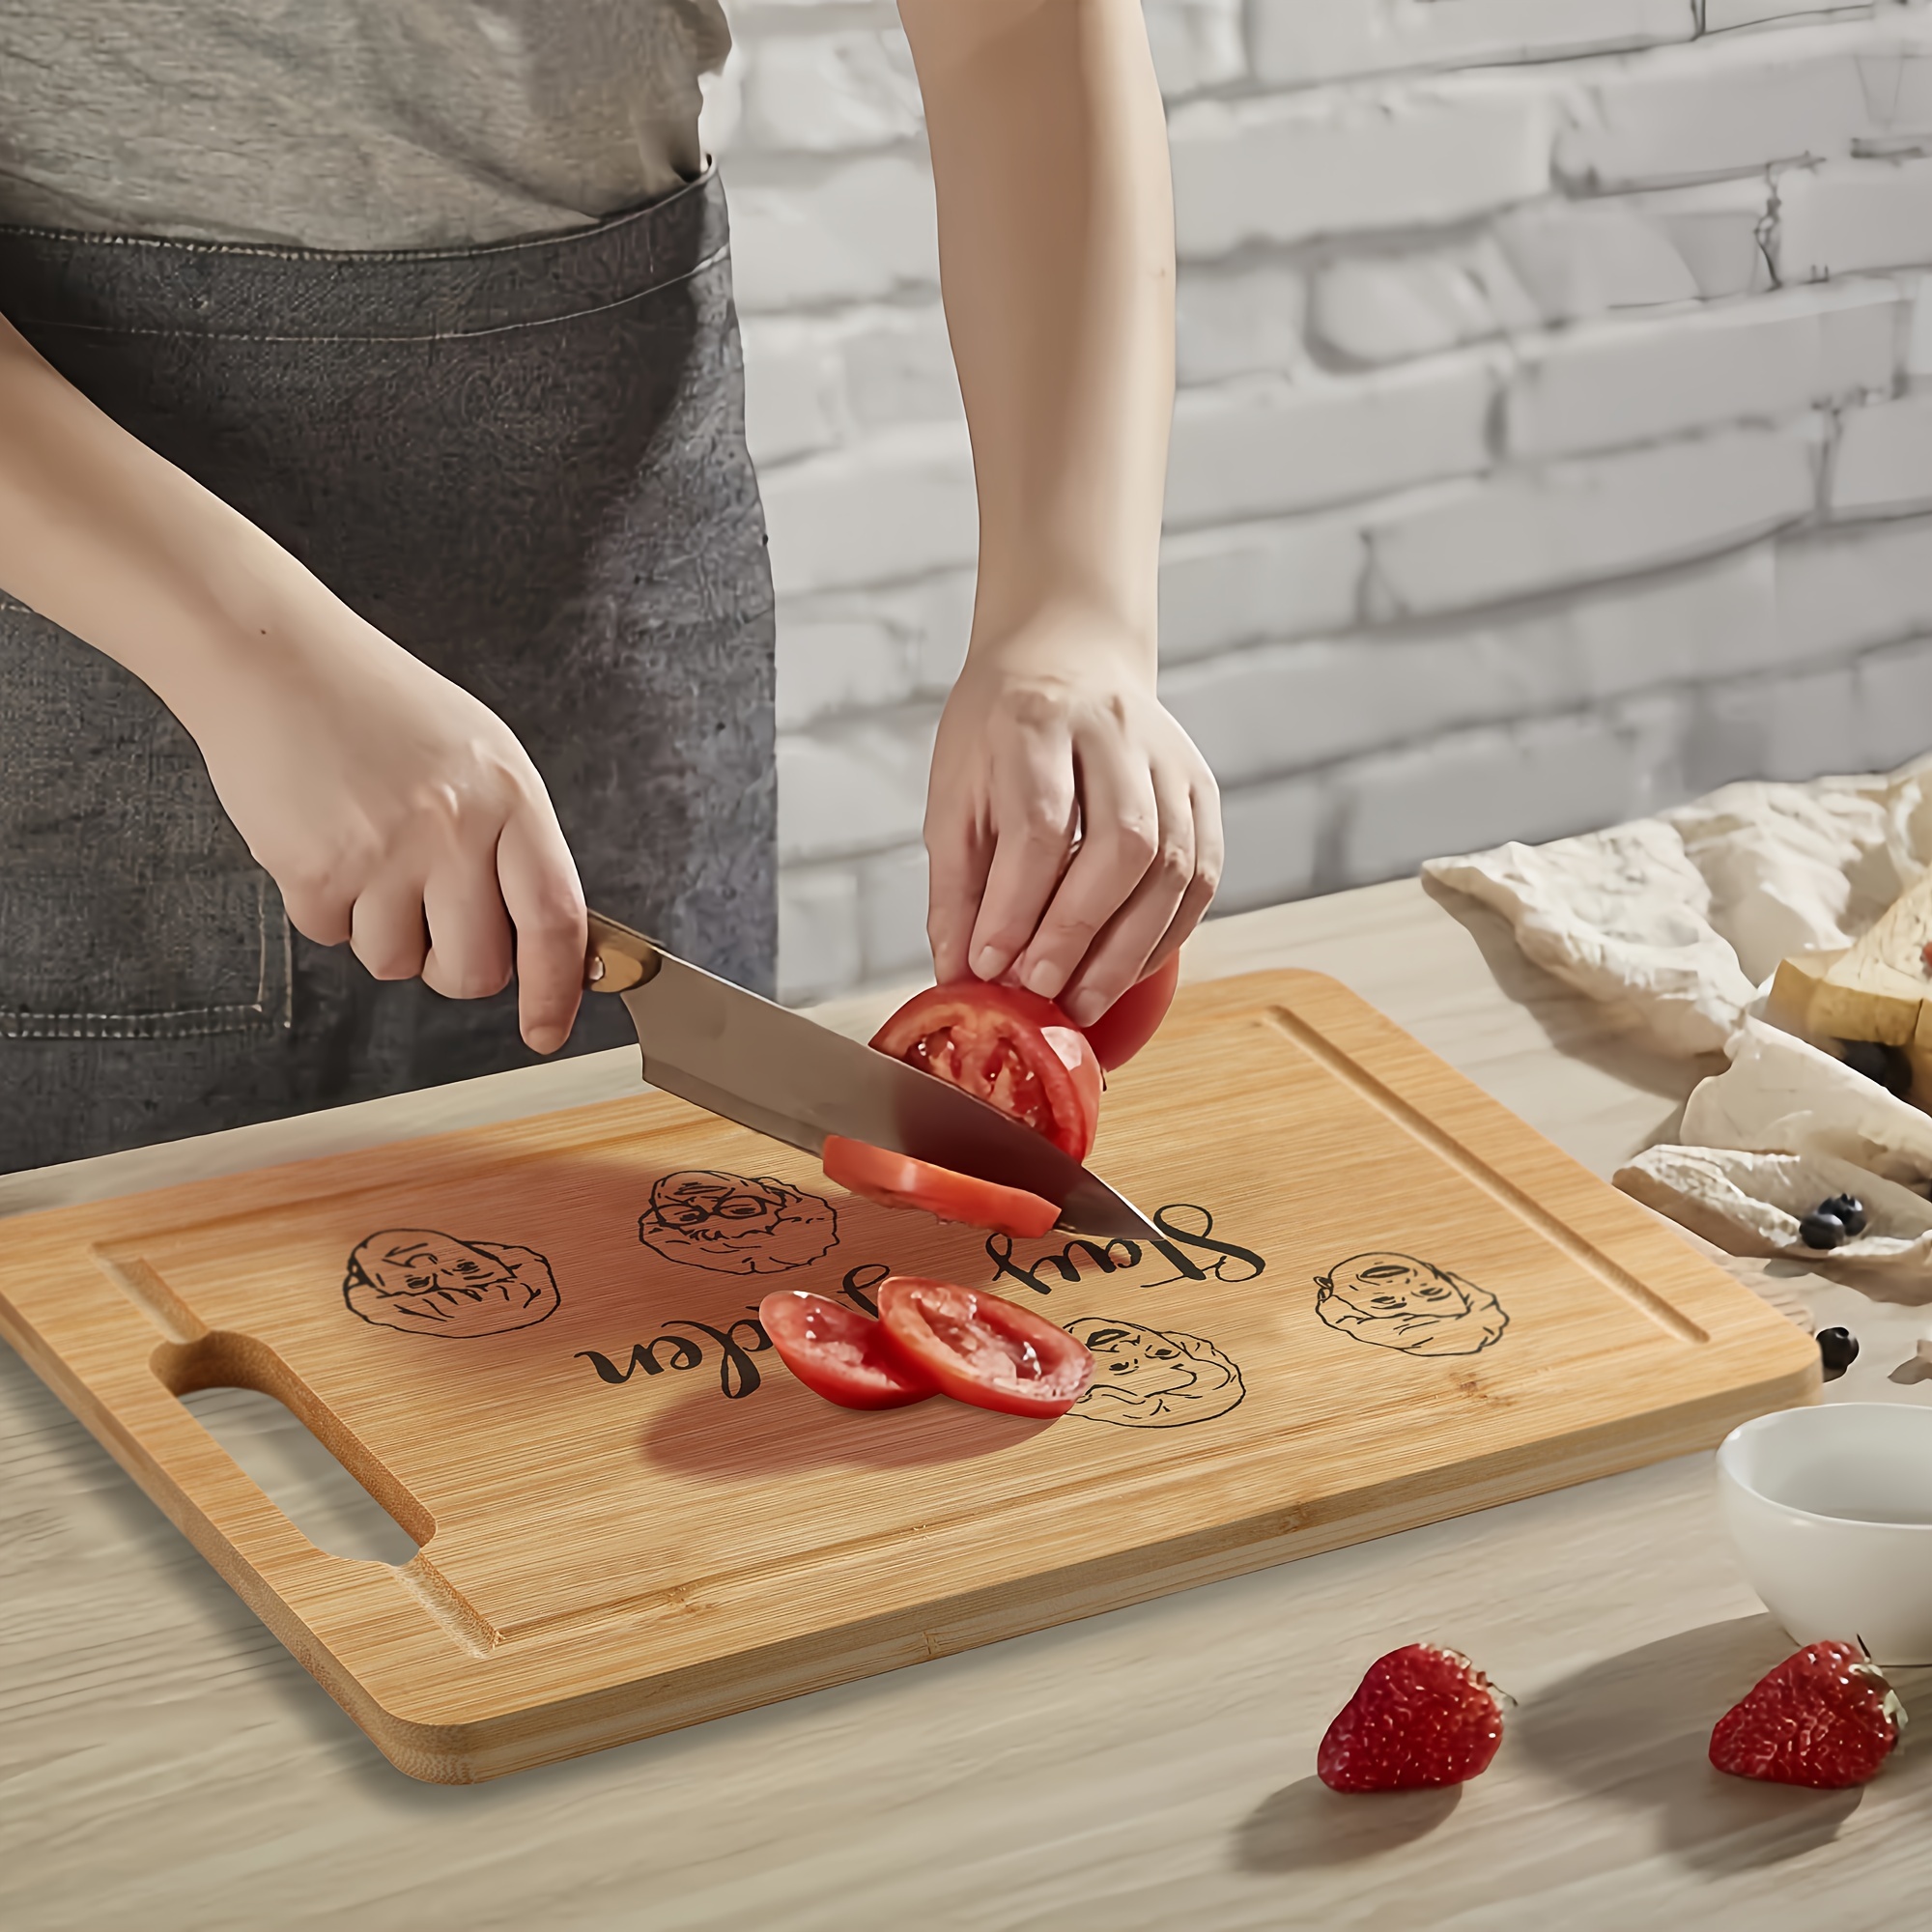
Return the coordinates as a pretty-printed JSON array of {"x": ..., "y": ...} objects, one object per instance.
[
  {"x": 1008, "y": 1046},
  {"x": 1131, "y": 1021},
  {"x": 840, "y": 1353},
  {"x": 898, "y": 1180},
  {"x": 980, "y": 1349}
]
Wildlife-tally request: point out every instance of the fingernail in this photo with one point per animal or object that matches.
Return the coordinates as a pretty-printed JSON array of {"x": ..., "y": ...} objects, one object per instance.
[
  {"x": 1084, "y": 1008},
  {"x": 1042, "y": 977},
  {"x": 989, "y": 962}
]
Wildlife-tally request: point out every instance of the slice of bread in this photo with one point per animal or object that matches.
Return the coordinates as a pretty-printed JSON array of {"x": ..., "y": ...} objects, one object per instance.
[
  {"x": 1876, "y": 990},
  {"x": 1795, "y": 986},
  {"x": 1918, "y": 1055}
]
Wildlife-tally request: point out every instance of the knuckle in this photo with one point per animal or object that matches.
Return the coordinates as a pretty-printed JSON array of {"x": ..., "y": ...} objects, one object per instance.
[
  {"x": 327, "y": 878},
  {"x": 1006, "y": 935},
  {"x": 317, "y": 914},
  {"x": 307, "y": 883},
  {"x": 1175, "y": 861},
  {"x": 553, "y": 921},
  {"x": 389, "y": 962},
  {"x": 1133, "y": 841},
  {"x": 446, "y": 812},
  {"x": 1070, "y": 932},
  {"x": 1045, "y": 819},
  {"x": 470, "y": 981},
  {"x": 468, "y": 805},
  {"x": 1035, "y": 707},
  {"x": 560, "y": 889}
]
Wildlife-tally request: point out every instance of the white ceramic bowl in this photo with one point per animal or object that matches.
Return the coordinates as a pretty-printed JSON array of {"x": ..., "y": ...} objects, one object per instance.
[{"x": 1831, "y": 1509}]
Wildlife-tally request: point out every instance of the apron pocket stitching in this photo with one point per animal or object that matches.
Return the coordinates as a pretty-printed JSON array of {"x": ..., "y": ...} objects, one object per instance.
[
  {"x": 265, "y": 1012},
  {"x": 127, "y": 1026}
]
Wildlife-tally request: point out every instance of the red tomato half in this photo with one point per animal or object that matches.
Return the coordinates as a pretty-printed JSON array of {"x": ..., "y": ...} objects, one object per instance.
[
  {"x": 979, "y": 1349},
  {"x": 898, "y": 1180},
  {"x": 838, "y": 1352},
  {"x": 1131, "y": 1021},
  {"x": 1008, "y": 1046}
]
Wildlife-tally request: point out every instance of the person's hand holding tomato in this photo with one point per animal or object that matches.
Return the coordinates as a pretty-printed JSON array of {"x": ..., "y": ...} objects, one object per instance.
[{"x": 1074, "y": 832}]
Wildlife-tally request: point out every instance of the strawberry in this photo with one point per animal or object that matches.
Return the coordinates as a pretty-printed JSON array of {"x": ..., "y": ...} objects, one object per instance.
[
  {"x": 1825, "y": 1717},
  {"x": 1422, "y": 1716}
]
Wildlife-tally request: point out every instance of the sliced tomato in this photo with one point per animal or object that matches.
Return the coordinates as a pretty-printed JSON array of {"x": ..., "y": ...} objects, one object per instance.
[
  {"x": 840, "y": 1353},
  {"x": 1131, "y": 1021},
  {"x": 898, "y": 1180},
  {"x": 1008, "y": 1046},
  {"x": 981, "y": 1349}
]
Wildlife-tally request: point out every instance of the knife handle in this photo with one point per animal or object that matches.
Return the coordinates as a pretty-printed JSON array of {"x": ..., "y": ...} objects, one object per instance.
[{"x": 618, "y": 959}]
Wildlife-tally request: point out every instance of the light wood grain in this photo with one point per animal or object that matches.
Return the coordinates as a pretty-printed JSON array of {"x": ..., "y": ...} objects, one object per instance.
[
  {"x": 166, "y": 1765},
  {"x": 631, "y": 1521}
]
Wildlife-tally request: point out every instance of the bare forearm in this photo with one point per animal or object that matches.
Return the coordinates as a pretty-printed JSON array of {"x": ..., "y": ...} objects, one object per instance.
[
  {"x": 393, "y": 809},
  {"x": 1057, "y": 258},
  {"x": 124, "y": 550},
  {"x": 1074, "y": 831}
]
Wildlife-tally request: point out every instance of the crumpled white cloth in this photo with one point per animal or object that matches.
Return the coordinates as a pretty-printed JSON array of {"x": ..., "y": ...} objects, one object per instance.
[
  {"x": 1780, "y": 1095},
  {"x": 1625, "y": 917},
  {"x": 1751, "y": 1204},
  {"x": 1777, "y": 1133},
  {"x": 1672, "y": 923}
]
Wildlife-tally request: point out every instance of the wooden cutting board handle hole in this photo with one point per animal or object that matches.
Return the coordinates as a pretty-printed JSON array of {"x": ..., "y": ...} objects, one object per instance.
[{"x": 282, "y": 1438}]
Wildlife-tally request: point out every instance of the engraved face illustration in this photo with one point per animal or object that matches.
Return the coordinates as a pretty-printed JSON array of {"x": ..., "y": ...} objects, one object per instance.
[
  {"x": 427, "y": 1283},
  {"x": 1146, "y": 1379},
  {"x": 1395, "y": 1301},
  {"x": 734, "y": 1225}
]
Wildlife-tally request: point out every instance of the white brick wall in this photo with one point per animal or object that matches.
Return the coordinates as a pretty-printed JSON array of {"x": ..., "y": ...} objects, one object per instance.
[{"x": 1554, "y": 436}]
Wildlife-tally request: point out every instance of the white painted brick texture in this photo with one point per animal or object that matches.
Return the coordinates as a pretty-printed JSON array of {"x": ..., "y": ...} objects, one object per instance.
[
  {"x": 1260, "y": 447},
  {"x": 1554, "y": 433},
  {"x": 1316, "y": 165},
  {"x": 1619, "y": 382}
]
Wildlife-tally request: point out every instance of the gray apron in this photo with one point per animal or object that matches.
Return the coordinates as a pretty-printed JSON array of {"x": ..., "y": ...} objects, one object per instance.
[{"x": 524, "y": 462}]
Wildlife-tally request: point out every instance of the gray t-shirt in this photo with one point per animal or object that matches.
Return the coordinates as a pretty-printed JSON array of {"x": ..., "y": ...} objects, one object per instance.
[{"x": 348, "y": 124}]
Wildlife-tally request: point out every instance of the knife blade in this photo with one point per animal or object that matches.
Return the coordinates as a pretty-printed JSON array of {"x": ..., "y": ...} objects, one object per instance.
[{"x": 776, "y": 1072}]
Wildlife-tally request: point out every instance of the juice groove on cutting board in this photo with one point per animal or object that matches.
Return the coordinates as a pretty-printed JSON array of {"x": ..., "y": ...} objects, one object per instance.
[
  {"x": 1378, "y": 1299},
  {"x": 1486, "y": 1177}
]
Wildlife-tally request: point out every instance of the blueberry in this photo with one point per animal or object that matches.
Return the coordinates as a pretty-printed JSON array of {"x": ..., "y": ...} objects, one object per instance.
[
  {"x": 1821, "y": 1231},
  {"x": 1838, "y": 1350},
  {"x": 1847, "y": 1209},
  {"x": 1886, "y": 1064}
]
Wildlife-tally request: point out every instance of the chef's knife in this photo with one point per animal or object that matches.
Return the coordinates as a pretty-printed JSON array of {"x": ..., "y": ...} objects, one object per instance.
[{"x": 734, "y": 1054}]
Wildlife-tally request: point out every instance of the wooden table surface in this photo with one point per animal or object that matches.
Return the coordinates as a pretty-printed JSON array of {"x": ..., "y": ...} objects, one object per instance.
[{"x": 164, "y": 1764}]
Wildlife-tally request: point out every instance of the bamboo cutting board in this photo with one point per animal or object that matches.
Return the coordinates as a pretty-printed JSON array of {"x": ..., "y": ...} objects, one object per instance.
[{"x": 1378, "y": 1299}]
